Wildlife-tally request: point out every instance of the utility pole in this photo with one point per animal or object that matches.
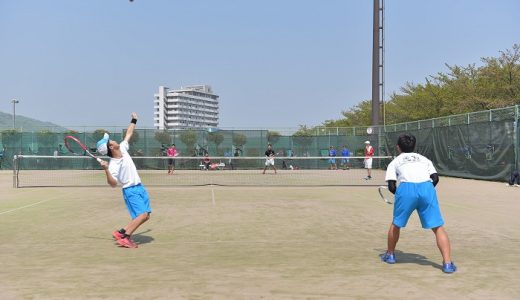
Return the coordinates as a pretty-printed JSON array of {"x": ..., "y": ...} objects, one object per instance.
[
  {"x": 377, "y": 62},
  {"x": 14, "y": 102}
]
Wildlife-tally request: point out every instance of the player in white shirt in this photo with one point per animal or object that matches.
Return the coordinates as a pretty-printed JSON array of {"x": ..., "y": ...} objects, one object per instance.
[
  {"x": 417, "y": 179},
  {"x": 369, "y": 153},
  {"x": 121, "y": 170}
]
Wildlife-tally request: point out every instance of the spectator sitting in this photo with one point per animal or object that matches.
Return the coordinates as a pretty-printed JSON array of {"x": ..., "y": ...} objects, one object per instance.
[{"x": 206, "y": 161}]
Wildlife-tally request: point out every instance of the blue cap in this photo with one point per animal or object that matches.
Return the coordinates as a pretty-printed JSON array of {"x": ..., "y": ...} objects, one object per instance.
[{"x": 102, "y": 145}]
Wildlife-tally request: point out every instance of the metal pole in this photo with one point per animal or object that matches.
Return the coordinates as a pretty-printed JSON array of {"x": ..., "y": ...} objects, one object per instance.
[
  {"x": 515, "y": 137},
  {"x": 14, "y": 101},
  {"x": 375, "y": 65},
  {"x": 15, "y": 163}
]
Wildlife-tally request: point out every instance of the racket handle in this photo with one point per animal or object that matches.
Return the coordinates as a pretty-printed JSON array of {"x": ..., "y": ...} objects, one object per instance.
[{"x": 99, "y": 160}]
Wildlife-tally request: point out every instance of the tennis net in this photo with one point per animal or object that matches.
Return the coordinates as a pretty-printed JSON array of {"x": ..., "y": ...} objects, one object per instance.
[{"x": 48, "y": 171}]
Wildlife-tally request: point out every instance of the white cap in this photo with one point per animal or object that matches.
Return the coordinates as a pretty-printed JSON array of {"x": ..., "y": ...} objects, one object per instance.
[
  {"x": 102, "y": 145},
  {"x": 367, "y": 142}
]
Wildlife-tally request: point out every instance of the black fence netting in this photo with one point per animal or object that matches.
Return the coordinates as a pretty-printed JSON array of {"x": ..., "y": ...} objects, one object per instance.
[{"x": 485, "y": 149}]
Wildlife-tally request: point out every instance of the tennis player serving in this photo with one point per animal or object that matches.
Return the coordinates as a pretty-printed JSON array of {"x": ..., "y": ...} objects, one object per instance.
[
  {"x": 121, "y": 170},
  {"x": 417, "y": 179}
]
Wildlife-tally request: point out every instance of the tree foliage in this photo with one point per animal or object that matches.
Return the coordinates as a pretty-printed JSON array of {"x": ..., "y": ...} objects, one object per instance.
[
  {"x": 46, "y": 138},
  {"x": 10, "y": 137},
  {"x": 216, "y": 137},
  {"x": 303, "y": 137},
  {"x": 461, "y": 89},
  {"x": 239, "y": 139},
  {"x": 189, "y": 138},
  {"x": 98, "y": 134},
  {"x": 273, "y": 136},
  {"x": 163, "y": 137}
]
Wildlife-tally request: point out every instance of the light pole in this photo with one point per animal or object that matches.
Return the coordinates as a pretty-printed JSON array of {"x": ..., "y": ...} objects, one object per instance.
[{"x": 14, "y": 101}]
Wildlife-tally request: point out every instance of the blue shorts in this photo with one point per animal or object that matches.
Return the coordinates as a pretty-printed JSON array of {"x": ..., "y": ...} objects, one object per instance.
[
  {"x": 136, "y": 200},
  {"x": 332, "y": 160},
  {"x": 417, "y": 196}
]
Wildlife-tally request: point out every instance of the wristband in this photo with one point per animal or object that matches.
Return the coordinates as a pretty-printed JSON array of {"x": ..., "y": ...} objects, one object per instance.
[{"x": 134, "y": 121}]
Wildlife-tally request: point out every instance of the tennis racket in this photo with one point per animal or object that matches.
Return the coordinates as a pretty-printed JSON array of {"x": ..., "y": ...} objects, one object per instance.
[
  {"x": 385, "y": 194},
  {"x": 78, "y": 148}
]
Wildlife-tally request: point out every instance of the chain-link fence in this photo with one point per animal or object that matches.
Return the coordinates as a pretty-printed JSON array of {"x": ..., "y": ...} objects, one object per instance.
[{"x": 480, "y": 145}]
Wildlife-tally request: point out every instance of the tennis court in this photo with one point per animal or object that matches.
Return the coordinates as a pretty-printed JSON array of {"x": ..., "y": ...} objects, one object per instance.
[{"x": 216, "y": 242}]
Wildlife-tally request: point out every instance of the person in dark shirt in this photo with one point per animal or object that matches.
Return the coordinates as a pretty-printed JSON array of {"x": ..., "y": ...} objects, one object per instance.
[
  {"x": 206, "y": 161},
  {"x": 269, "y": 158}
]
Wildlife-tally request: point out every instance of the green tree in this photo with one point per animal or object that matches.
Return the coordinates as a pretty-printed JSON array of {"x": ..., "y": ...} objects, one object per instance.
[
  {"x": 163, "y": 137},
  {"x": 239, "y": 139},
  {"x": 461, "y": 89},
  {"x": 273, "y": 137},
  {"x": 189, "y": 138},
  {"x": 303, "y": 138},
  {"x": 217, "y": 138},
  {"x": 47, "y": 141},
  {"x": 359, "y": 115},
  {"x": 98, "y": 134},
  {"x": 10, "y": 137}
]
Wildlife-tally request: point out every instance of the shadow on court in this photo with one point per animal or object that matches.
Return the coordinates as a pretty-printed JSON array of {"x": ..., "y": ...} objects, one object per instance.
[
  {"x": 414, "y": 258},
  {"x": 141, "y": 238}
]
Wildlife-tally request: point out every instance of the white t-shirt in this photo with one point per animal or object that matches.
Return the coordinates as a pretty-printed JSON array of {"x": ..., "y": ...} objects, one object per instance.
[
  {"x": 410, "y": 167},
  {"x": 123, "y": 169}
]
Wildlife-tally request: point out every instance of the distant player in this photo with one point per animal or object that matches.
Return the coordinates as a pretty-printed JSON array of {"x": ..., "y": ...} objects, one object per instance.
[
  {"x": 121, "y": 170},
  {"x": 269, "y": 158},
  {"x": 417, "y": 179},
  {"x": 369, "y": 153},
  {"x": 345, "y": 153},
  {"x": 332, "y": 158},
  {"x": 171, "y": 152}
]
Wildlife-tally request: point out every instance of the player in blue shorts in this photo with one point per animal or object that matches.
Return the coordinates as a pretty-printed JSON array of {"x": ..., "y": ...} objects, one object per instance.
[
  {"x": 121, "y": 170},
  {"x": 345, "y": 153},
  {"x": 332, "y": 159},
  {"x": 417, "y": 179}
]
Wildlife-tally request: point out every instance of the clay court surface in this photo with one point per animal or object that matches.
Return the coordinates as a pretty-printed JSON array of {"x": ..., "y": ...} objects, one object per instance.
[{"x": 254, "y": 243}]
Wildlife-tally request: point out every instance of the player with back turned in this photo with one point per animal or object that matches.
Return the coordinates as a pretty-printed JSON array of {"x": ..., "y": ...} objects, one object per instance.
[
  {"x": 417, "y": 179},
  {"x": 121, "y": 170}
]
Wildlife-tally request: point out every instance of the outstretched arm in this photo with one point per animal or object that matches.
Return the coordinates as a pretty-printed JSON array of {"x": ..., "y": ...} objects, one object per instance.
[{"x": 131, "y": 127}]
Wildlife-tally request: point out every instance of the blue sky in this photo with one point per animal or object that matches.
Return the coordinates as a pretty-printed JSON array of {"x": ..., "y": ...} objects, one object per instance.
[{"x": 274, "y": 63}]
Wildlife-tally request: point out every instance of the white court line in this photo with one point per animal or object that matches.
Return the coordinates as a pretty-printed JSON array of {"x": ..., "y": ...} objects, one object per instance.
[
  {"x": 15, "y": 209},
  {"x": 213, "y": 197}
]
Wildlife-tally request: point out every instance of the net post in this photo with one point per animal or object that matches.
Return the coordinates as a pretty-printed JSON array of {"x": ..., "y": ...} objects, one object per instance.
[
  {"x": 15, "y": 163},
  {"x": 515, "y": 137}
]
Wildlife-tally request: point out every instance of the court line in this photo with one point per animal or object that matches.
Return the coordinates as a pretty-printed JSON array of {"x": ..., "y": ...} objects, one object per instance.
[
  {"x": 15, "y": 209},
  {"x": 213, "y": 196}
]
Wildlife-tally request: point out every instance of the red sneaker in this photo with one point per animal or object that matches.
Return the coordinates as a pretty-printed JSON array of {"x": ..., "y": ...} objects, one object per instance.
[
  {"x": 117, "y": 235},
  {"x": 127, "y": 243}
]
